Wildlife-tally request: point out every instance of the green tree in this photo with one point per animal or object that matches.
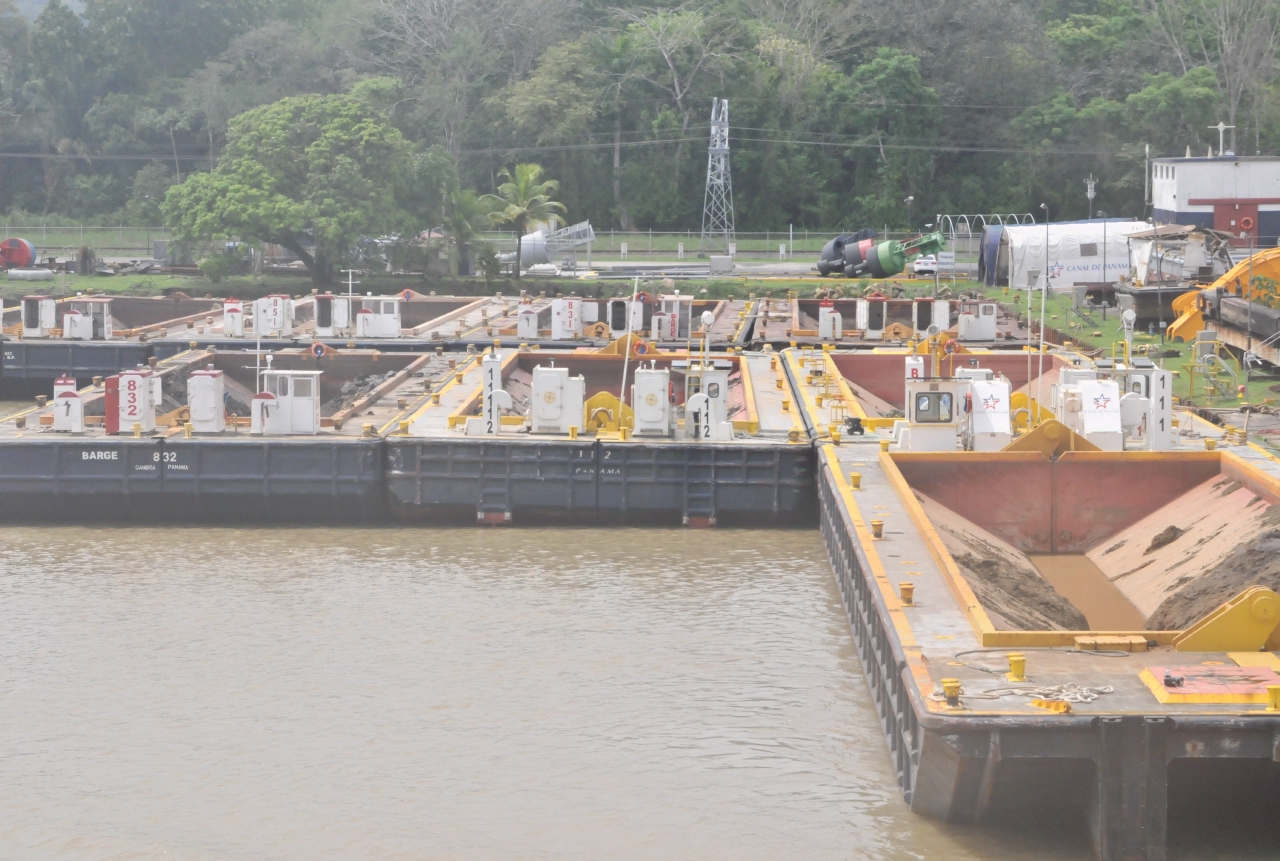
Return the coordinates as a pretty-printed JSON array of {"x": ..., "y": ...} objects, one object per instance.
[
  {"x": 523, "y": 200},
  {"x": 171, "y": 38},
  {"x": 310, "y": 173},
  {"x": 891, "y": 105},
  {"x": 467, "y": 215}
]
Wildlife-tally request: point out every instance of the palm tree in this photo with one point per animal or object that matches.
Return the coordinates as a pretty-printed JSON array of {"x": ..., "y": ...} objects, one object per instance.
[
  {"x": 467, "y": 215},
  {"x": 523, "y": 200}
]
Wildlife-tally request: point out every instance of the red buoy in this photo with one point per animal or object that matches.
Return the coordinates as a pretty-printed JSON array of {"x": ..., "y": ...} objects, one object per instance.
[{"x": 17, "y": 254}]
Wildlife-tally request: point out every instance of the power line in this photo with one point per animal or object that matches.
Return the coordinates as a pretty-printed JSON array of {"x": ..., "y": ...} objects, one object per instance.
[{"x": 836, "y": 144}]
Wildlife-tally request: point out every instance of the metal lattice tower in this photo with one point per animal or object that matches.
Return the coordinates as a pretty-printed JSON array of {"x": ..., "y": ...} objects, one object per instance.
[{"x": 717, "y": 204}]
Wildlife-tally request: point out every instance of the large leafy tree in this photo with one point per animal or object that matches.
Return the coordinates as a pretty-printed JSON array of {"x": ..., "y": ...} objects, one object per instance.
[
  {"x": 310, "y": 173},
  {"x": 524, "y": 198}
]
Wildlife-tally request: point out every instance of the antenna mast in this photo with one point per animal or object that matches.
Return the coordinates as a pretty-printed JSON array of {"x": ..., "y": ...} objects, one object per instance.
[{"x": 717, "y": 205}]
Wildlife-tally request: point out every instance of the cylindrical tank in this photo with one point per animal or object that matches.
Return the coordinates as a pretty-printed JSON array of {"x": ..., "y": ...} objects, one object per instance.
[{"x": 17, "y": 254}]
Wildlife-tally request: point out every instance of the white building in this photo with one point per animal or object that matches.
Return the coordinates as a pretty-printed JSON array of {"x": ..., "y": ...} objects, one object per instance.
[{"x": 1239, "y": 195}]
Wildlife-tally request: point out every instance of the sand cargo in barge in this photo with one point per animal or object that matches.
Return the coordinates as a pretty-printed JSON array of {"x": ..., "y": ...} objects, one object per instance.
[{"x": 1053, "y": 626}]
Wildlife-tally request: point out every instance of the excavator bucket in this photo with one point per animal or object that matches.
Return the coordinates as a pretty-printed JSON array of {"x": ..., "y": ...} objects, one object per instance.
[{"x": 1190, "y": 320}]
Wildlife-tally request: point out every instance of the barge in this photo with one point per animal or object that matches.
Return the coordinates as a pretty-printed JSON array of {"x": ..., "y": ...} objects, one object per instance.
[
  {"x": 1052, "y": 623},
  {"x": 87, "y": 336},
  {"x": 317, "y": 432},
  {"x": 627, "y": 432},
  {"x": 878, "y": 320},
  {"x": 213, "y": 436}
]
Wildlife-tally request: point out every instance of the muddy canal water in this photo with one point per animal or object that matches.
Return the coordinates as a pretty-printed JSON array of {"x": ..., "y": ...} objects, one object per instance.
[{"x": 453, "y": 694}]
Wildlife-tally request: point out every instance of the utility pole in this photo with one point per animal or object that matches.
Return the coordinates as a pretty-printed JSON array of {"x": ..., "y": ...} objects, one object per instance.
[
  {"x": 1105, "y": 282},
  {"x": 717, "y": 202}
]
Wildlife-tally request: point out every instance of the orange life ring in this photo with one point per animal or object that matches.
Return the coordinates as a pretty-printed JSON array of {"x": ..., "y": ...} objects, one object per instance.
[{"x": 1246, "y": 223}]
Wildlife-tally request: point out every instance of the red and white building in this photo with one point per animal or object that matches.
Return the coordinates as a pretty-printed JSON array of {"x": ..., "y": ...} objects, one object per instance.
[{"x": 1239, "y": 195}]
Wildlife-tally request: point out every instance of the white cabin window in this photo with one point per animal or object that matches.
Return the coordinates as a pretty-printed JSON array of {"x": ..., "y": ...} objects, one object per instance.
[{"x": 933, "y": 407}]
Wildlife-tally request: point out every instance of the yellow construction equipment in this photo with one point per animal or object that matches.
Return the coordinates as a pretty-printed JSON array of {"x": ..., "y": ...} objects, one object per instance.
[
  {"x": 604, "y": 412},
  {"x": 1246, "y": 623},
  {"x": 1190, "y": 319},
  {"x": 1263, "y": 267},
  {"x": 1023, "y": 407}
]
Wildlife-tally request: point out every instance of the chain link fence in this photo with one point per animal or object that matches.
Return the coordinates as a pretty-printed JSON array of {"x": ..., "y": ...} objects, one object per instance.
[
  {"x": 65, "y": 241},
  {"x": 797, "y": 244}
]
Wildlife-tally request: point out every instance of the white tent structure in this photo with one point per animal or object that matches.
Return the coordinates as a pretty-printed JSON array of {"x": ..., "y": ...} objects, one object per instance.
[{"x": 1076, "y": 252}]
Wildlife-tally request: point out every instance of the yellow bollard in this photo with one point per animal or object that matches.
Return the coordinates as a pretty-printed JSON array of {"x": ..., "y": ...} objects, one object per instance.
[
  {"x": 786, "y": 405},
  {"x": 401, "y": 403},
  {"x": 1017, "y": 667},
  {"x": 404, "y": 428},
  {"x": 835, "y": 435},
  {"x": 773, "y": 363},
  {"x": 367, "y": 430},
  {"x": 779, "y": 383},
  {"x": 907, "y": 592},
  {"x": 435, "y": 398},
  {"x": 884, "y": 445},
  {"x": 1273, "y": 698},
  {"x": 188, "y": 429},
  {"x": 137, "y": 430},
  {"x": 951, "y": 691},
  {"x": 457, "y": 377},
  {"x": 818, "y": 400},
  {"x": 855, "y": 480},
  {"x": 624, "y": 433},
  {"x": 1210, "y": 443},
  {"x": 573, "y": 431},
  {"x": 877, "y": 529}
]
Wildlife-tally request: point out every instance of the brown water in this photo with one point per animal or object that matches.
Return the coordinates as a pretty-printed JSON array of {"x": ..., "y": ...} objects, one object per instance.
[
  {"x": 456, "y": 694},
  {"x": 1083, "y": 584}
]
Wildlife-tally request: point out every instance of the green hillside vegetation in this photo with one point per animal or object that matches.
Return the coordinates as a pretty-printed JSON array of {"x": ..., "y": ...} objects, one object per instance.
[{"x": 840, "y": 109}]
